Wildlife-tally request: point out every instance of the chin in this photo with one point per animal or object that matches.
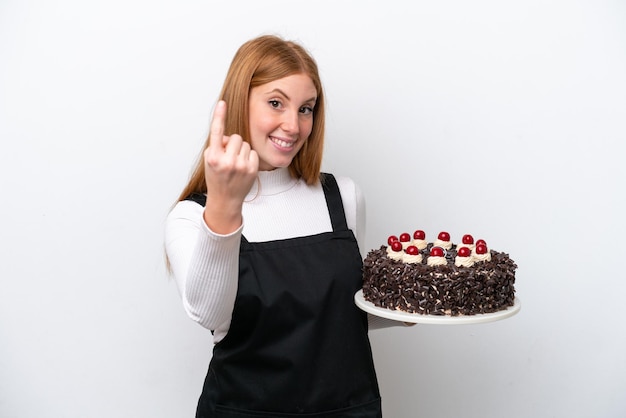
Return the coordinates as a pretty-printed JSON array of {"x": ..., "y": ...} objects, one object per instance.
[{"x": 282, "y": 163}]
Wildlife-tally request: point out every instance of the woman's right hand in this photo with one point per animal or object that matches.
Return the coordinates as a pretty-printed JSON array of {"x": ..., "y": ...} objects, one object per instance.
[{"x": 230, "y": 167}]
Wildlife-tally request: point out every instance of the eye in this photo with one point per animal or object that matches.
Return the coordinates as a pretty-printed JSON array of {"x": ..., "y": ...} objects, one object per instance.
[
  {"x": 306, "y": 110},
  {"x": 275, "y": 103}
]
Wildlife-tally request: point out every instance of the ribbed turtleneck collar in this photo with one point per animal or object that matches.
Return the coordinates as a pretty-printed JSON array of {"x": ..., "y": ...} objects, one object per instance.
[{"x": 272, "y": 182}]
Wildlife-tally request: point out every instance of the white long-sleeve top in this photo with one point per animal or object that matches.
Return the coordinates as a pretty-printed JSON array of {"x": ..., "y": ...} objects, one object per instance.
[{"x": 205, "y": 265}]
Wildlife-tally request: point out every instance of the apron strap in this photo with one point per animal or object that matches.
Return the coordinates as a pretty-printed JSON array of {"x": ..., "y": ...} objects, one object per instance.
[
  {"x": 334, "y": 202},
  {"x": 199, "y": 198}
]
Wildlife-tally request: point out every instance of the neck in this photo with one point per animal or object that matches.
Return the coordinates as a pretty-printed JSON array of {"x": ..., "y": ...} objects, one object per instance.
[{"x": 272, "y": 182}]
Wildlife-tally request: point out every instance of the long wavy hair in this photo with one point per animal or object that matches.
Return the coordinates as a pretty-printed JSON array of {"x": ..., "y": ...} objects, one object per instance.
[{"x": 257, "y": 62}]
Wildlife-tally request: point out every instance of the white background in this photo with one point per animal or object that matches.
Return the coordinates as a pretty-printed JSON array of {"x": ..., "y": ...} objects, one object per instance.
[{"x": 504, "y": 119}]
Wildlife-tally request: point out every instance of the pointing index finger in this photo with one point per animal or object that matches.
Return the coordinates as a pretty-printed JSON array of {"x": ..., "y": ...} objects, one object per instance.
[{"x": 217, "y": 124}]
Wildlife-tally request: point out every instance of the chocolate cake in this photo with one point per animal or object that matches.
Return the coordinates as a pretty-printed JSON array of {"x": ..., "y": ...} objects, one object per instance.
[{"x": 439, "y": 278}]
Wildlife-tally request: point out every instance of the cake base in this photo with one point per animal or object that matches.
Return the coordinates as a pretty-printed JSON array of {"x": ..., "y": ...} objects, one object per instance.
[{"x": 398, "y": 315}]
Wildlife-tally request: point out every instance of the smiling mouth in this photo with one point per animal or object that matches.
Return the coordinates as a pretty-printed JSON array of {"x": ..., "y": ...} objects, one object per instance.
[{"x": 281, "y": 143}]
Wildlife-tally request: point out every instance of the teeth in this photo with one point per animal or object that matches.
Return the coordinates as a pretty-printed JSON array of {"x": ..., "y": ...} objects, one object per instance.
[{"x": 282, "y": 143}]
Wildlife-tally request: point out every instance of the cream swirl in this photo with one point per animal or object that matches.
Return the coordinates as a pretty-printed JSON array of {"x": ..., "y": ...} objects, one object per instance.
[
  {"x": 472, "y": 247},
  {"x": 463, "y": 261},
  {"x": 412, "y": 258},
  {"x": 443, "y": 244},
  {"x": 481, "y": 257},
  {"x": 420, "y": 243},
  {"x": 406, "y": 244},
  {"x": 394, "y": 255},
  {"x": 436, "y": 261}
]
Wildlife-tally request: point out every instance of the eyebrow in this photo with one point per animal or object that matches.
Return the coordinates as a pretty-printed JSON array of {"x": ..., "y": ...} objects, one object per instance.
[{"x": 277, "y": 90}]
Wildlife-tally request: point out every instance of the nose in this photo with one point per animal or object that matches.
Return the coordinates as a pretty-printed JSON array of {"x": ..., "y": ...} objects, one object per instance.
[{"x": 291, "y": 121}]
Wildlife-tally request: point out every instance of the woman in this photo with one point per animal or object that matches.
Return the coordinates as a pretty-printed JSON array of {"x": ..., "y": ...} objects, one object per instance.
[{"x": 262, "y": 248}]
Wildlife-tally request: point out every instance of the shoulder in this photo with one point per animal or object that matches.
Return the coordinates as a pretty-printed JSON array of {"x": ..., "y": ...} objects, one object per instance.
[
  {"x": 349, "y": 189},
  {"x": 185, "y": 208},
  {"x": 184, "y": 214},
  {"x": 346, "y": 183}
]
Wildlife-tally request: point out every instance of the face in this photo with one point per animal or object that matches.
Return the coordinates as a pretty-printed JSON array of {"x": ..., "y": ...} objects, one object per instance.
[{"x": 281, "y": 119}]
